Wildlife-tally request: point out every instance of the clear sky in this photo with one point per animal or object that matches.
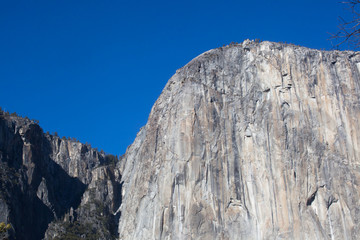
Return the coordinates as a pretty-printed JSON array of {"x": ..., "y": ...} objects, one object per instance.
[{"x": 93, "y": 69}]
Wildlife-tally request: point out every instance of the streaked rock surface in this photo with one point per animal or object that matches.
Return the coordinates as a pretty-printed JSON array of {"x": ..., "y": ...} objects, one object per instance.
[
  {"x": 250, "y": 141},
  {"x": 49, "y": 185}
]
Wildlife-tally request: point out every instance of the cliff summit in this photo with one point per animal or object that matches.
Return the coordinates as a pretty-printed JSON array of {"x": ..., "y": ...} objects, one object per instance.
[{"x": 248, "y": 141}]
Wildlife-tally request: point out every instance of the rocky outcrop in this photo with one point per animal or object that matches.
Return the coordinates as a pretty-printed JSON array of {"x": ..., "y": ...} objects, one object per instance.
[
  {"x": 250, "y": 141},
  {"x": 46, "y": 180}
]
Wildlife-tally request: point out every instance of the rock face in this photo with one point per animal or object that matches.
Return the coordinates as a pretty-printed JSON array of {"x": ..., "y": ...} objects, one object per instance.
[
  {"x": 47, "y": 180},
  {"x": 250, "y": 141}
]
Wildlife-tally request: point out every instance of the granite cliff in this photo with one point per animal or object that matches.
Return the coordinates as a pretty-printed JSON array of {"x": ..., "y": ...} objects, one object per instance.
[
  {"x": 54, "y": 186},
  {"x": 248, "y": 141}
]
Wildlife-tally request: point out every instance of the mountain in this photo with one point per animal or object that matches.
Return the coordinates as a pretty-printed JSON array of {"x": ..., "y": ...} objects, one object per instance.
[
  {"x": 249, "y": 141},
  {"x": 47, "y": 180},
  {"x": 257, "y": 140}
]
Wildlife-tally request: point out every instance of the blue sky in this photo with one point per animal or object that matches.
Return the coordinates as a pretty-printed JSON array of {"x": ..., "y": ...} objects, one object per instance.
[{"x": 93, "y": 69}]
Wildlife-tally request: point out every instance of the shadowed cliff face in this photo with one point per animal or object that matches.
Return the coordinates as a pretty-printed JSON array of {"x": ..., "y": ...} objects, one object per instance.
[
  {"x": 45, "y": 179},
  {"x": 35, "y": 188},
  {"x": 252, "y": 141}
]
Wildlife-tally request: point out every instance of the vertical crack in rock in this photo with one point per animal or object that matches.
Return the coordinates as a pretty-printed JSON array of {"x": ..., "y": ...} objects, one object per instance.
[
  {"x": 248, "y": 141},
  {"x": 256, "y": 126},
  {"x": 51, "y": 186},
  {"x": 311, "y": 199}
]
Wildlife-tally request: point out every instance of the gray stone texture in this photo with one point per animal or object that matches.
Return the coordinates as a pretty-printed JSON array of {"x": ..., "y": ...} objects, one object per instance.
[
  {"x": 249, "y": 141},
  {"x": 47, "y": 181}
]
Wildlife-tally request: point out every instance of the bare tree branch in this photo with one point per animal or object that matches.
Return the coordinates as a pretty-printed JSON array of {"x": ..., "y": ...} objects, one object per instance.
[{"x": 349, "y": 30}]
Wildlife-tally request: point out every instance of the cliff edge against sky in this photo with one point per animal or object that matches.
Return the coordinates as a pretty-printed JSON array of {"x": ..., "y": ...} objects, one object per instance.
[{"x": 248, "y": 141}]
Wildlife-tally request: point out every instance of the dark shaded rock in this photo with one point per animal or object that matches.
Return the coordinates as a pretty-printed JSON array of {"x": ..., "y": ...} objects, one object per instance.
[{"x": 43, "y": 178}]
